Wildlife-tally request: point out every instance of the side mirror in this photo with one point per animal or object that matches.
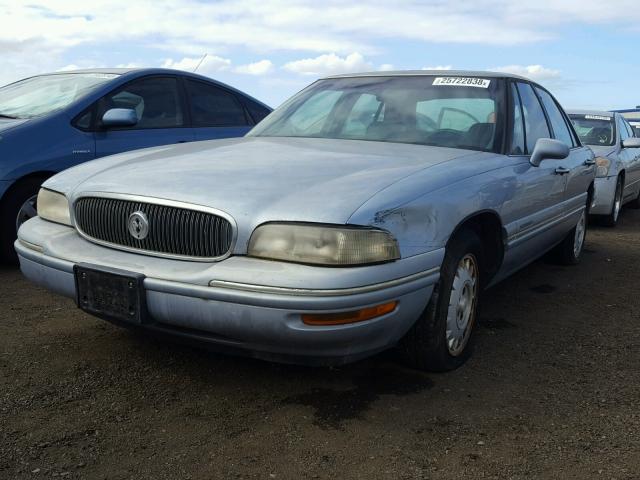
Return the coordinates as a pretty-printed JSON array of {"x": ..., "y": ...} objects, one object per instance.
[
  {"x": 548, "y": 149},
  {"x": 631, "y": 142},
  {"x": 119, "y": 117}
]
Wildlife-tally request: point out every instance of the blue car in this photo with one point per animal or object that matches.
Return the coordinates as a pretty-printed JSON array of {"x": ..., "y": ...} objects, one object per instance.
[{"x": 51, "y": 122}]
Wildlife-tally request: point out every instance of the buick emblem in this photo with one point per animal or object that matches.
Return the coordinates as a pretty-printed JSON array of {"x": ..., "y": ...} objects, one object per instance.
[{"x": 138, "y": 225}]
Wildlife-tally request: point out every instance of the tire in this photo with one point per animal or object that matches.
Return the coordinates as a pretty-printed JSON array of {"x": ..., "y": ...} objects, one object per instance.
[
  {"x": 15, "y": 199},
  {"x": 570, "y": 250},
  {"x": 611, "y": 220},
  {"x": 427, "y": 345}
]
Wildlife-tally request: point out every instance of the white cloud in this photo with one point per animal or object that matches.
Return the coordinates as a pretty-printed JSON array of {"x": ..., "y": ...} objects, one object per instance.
[
  {"x": 438, "y": 67},
  {"x": 386, "y": 67},
  {"x": 533, "y": 72},
  {"x": 209, "y": 65},
  {"x": 257, "y": 68},
  {"x": 329, "y": 64}
]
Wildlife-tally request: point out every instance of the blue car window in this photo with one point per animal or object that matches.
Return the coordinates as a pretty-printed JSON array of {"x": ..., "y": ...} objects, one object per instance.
[
  {"x": 214, "y": 107},
  {"x": 534, "y": 119},
  {"x": 517, "y": 138},
  {"x": 155, "y": 100},
  {"x": 365, "y": 111},
  {"x": 560, "y": 129}
]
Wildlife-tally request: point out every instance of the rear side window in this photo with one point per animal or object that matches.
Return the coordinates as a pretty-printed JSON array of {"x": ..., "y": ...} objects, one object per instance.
[
  {"x": 257, "y": 111},
  {"x": 214, "y": 107},
  {"x": 517, "y": 138},
  {"x": 558, "y": 124},
  {"x": 534, "y": 120}
]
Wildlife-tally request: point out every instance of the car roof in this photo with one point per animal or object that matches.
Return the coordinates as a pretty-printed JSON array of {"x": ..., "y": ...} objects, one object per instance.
[
  {"x": 135, "y": 71},
  {"x": 601, "y": 113},
  {"x": 430, "y": 73}
]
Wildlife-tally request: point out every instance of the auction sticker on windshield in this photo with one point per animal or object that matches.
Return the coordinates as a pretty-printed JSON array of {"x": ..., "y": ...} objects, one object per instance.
[
  {"x": 462, "y": 82},
  {"x": 597, "y": 117}
]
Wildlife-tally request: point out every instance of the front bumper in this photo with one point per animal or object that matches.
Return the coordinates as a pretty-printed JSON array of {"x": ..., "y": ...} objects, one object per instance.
[
  {"x": 247, "y": 305},
  {"x": 605, "y": 192}
]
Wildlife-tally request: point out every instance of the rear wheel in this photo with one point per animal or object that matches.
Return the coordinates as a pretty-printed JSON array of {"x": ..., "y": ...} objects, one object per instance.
[
  {"x": 441, "y": 338},
  {"x": 570, "y": 250},
  {"x": 18, "y": 207},
  {"x": 611, "y": 220}
]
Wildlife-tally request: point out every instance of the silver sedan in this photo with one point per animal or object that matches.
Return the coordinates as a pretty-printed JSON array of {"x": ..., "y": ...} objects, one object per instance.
[
  {"x": 617, "y": 158},
  {"x": 367, "y": 212}
]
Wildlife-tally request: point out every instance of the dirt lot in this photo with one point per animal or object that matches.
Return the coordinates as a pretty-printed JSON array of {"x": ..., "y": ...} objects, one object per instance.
[{"x": 552, "y": 391}]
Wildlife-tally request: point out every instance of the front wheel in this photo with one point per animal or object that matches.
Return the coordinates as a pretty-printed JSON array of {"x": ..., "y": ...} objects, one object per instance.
[
  {"x": 18, "y": 207},
  {"x": 441, "y": 338},
  {"x": 611, "y": 220}
]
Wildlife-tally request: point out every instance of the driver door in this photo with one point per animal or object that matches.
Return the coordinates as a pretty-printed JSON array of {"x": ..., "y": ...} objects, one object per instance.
[
  {"x": 159, "y": 107},
  {"x": 537, "y": 192}
]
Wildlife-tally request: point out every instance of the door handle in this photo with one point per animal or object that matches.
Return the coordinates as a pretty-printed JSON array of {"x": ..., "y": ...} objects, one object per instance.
[
  {"x": 589, "y": 162},
  {"x": 562, "y": 170}
]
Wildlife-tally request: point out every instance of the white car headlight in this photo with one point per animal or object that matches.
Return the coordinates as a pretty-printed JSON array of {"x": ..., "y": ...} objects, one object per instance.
[
  {"x": 53, "y": 206},
  {"x": 602, "y": 167},
  {"x": 322, "y": 244}
]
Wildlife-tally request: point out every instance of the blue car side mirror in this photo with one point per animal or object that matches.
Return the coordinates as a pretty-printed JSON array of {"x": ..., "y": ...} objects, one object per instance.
[
  {"x": 548, "y": 149},
  {"x": 119, "y": 117}
]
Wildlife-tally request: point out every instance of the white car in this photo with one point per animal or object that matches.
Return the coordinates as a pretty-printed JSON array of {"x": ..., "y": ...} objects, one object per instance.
[{"x": 617, "y": 152}]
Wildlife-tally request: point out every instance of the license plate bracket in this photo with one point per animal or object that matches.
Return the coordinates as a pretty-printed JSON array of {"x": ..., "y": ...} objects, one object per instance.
[{"x": 110, "y": 293}]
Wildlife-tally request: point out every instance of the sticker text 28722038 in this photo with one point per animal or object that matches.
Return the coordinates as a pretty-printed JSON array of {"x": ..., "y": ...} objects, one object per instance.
[{"x": 462, "y": 82}]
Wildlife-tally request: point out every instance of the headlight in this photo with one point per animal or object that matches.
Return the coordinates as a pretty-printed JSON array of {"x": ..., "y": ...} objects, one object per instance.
[
  {"x": 602, "y": 166},
  {"x": 323, "y": 245},
  {"x": 53, "y": 206}
]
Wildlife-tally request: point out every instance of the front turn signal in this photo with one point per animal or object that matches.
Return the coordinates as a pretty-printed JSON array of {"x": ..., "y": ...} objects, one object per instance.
[{"x": 354, "y": 316}]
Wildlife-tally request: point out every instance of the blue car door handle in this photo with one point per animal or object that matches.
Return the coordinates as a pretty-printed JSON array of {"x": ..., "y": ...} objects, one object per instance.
[{"x": 562, "y": 170}]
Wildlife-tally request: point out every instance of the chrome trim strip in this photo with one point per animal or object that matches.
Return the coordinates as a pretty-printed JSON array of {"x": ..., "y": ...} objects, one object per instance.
[
  {"x": 312, "y": 292},
  {"x": 156, "y": 201},
  {"x": 32, "y": 246},
  {"x": 541, "y": 226}
]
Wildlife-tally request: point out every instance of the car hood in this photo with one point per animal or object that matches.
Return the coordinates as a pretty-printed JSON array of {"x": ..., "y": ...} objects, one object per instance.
[
  {"x": 602, "y": 150},
  {"x": 9, "y": 123},
  {"x": 256, "y": 180}
]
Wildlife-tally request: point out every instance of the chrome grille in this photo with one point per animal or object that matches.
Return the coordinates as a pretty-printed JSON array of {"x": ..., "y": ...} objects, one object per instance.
[{"x": 173, "y": 231}]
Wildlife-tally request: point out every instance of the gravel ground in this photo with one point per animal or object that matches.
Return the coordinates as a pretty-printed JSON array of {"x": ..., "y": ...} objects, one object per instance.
[{"x": 552, "y": 391}]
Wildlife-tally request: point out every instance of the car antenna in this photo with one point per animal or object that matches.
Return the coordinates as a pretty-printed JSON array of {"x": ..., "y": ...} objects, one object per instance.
[{"x": 200, "y": 62}]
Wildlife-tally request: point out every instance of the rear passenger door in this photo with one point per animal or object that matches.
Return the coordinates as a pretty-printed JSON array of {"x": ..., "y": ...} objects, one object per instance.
[
  {"x": 159, "y": 106},
  {"x": 577, "y": 169},
  {"x": 215, "y": 112}
]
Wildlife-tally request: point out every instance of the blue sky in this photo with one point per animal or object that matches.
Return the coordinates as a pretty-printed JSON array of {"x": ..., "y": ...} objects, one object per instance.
[{"x": 585, "y": 51}]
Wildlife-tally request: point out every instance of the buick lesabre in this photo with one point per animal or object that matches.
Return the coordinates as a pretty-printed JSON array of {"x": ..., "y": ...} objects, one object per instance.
[{"x": 367, "y": 212}]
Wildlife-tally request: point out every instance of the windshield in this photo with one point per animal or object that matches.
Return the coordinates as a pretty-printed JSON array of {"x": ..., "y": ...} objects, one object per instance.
[
  {"x": 595, "y": 129},
  {"x": 456, "y": 112},
  {"x": 44, "y": 94}
]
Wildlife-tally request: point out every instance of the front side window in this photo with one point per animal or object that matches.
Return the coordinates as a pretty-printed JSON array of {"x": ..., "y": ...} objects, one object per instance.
[
  {"x": 624, "y": 134},
  {"x": 213, "y": 107},
  {"x": 44, "y": 94},
  {"x": 535, "y": 123},
  {"x": 594, "y": 129},
  {"x": 517, "y": 138},
  {"x": 156, "y": 101},
  {"x": 453, "y": 112},
  {"x": 560, "y": 129}
]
